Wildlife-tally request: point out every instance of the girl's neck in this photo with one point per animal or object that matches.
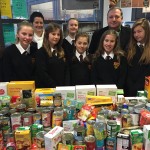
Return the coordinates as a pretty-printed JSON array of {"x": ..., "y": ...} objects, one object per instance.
[
  {"x": 72, "y": 35},
  {"x": 39, "y": 34}
]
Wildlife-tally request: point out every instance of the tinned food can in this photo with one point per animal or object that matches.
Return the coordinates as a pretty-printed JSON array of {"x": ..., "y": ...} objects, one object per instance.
[
  {"x": 90, "y": 142},
  {"x": 79, "y": 133},
  {"x": 57, "y": 118},
  {"x": 126, "y": 120},
  {"x": 27, "y": 119},
  {"x": 68, "y": 139},
  {"x": 89, "y": 127},
  {"x": 37, "y": 118},
  {"x": 16, "y": 120},
  {"x": 111, "y": 128},
  {"x": 46, "y": 115}
]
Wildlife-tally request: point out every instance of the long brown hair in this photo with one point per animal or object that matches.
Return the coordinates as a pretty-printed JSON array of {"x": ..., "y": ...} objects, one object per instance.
[
  {"x": 51, "y": 28},
  {"x": 145, "y": 58},
  {"x": 117, "y": 51}
]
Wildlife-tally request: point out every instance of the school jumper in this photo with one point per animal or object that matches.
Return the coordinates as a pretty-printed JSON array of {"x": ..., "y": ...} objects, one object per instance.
[
  {"x": 50, "y": 71},
  {"x": 80, "y": 72},
  {"x": 17, "y": 66},
  {"x": 136, "y": 74},
  {"x": 109, "y": 71}
]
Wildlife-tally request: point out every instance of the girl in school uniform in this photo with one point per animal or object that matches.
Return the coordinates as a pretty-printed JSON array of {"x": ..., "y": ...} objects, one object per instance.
[
  {"x": 80, "y": 66},
  {"x": 138, "y": 57},
  {"x": 109, "y": 65},
  {"x": 68, "y": 41},
  {"x": 51, "y": 67},
  {"x": 19, "y": 59}
]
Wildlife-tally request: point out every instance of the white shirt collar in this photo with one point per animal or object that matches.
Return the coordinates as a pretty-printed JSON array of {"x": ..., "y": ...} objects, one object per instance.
[
  {"x": 21, "y": 49},
  {"x": 105, "y": 55},
  {"x": 78, "y": 55},
  {"x": 69, "y": 39},
  {"x": 138, "y": 43},
  {"x": 38, "y": 40}
]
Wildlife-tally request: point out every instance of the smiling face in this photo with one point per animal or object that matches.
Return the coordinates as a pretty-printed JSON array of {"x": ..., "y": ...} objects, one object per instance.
[
  {"x": 54, "y": 37},
  {"x": 81, "y": 44},
  {"x": 38, "y": 25},
  {"x": 139, "y": 34},
  {"x": 109, "y": 43},
  {"x": 25, "y": 36},
  {"x": 114, "y": 19},
  {"x": 72, "y": 27}
]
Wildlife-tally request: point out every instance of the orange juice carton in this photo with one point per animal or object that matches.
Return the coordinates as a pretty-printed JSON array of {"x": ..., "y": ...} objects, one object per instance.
[
  {"x": 147, "y": 87},
  {"x": 44, "y": 96},
  {"x": 83, "y": 90},
  {"x": 53, "y": 137},
  {"x": 136, "y": 137},
  {"x": 107, "y": 90},
  {"x": 67, "y": 92},
  {"x": 23, "y": 139},
  {"x": 3, "y": 88},
  {"x": 14, "y": 87},
  {"x": 98, "y": 100}
]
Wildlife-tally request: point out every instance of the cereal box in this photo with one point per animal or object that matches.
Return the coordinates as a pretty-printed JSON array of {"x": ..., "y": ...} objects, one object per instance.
[{"x": 53, "y": 137}]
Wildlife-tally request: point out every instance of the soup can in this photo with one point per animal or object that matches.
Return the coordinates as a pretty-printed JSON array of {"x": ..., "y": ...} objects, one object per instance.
[
  {"x": 27, "y": 119},
  {"x": 111, "y": 143},
  {"x": 90, "y": 142},
  {"x": 126, "y": 120},
  {"x": 15, "y": 120},
  {"x": 71, "y": 112},
  {"x": 40, "y": 140},
  {"x": 79, "y": 133},
  {"x": 57, "y": 118},
  {"x": 89, "y": 127},
  {"x": 46, "y": 115}
]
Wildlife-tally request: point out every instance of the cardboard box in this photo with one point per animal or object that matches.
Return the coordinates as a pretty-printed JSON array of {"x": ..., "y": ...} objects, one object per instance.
[
  {"x": 98, "y": 100},
  {"x": 83, "y": 90},
  {"x": 53, "y": 137},
  {"x": 136, "y": 137},
  {"x": 14, "y": 87},
  {"x": 44, "y": 96},
  {"x": 3, "y": 88},
  {"x": 146, "y": 131},
  {"x": 147, "y": 86},
  {"x": 107, "y": 90},
  {"x": 67, "y": 92},
  {"x": 146, "y": 144}
]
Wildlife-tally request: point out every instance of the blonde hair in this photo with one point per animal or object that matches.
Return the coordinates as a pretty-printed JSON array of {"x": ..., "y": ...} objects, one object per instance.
[
  {"x": 145, "y": 58},
  {"x": 22, "y": 24}
]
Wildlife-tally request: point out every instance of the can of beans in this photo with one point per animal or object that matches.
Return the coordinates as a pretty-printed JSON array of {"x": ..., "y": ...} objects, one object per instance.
[{"x": 27, "y": 119}]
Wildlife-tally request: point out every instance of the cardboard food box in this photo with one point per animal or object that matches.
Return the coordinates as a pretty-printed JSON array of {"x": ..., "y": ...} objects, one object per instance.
[
  {"x": 14, "y": 87},
  {"x": 3, "y": 88},
  {"x": 136, "y": 137},
  {"x": 67, "y": 92},
  {"x": 107, "y": 90},
  {"x": 147, "y": 87},
  {"x": 83, "y": 90},
  {"x": 44, "y": 96},
  {"x": 53, "y": 137}
]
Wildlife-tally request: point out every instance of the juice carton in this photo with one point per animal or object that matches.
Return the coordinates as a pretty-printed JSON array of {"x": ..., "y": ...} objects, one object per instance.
[{"x": 3, "y": 88}]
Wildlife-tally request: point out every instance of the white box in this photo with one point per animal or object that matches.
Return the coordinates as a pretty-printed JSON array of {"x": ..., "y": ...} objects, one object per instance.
[
  {"x": 146, "y": 131},
  {"x": 3, "y": 88},
  {"x": 69, "y": 125},
  {"x": 67, "y": 92},
  {"x": 146, "y": 144},
  {"x": 53, "y": 137},
  {"x": 83, "y": 90},
  {"x": 107, "y": 90}
]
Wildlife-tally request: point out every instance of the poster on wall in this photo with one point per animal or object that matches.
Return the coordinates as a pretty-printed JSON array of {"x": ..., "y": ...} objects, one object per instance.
[
  {"x": 5, "y": 8},
  {"x": 9, "y": 35},
  {"x": 19, "y": 8}
]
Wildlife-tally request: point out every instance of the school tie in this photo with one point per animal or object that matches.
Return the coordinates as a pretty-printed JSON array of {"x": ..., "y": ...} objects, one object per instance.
[
  {"x": 141, "y": 47},
  {"x": 54, "y": 53},
  {"x": 25, "y": 53},
  {"x": 108, "y": 58},
  {"x": 73, "y": 42},
  {"x": 81, "y": 58}
]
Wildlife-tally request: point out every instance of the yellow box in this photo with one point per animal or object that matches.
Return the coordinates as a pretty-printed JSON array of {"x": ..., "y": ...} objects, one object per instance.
[
  {"x": 44, "y": 96},
  {"x": 98, "y": 100},
  {"x": 14, "y": 87},
  {"x": 147, "y": 86},
  {"x": 23, "y": 139}
]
